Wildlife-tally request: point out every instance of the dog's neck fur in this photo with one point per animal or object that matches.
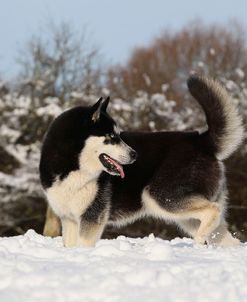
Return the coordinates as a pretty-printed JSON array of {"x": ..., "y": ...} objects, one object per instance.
[
  {"x": 90, "y": 167},
  {"x": 88, "y": 176}
]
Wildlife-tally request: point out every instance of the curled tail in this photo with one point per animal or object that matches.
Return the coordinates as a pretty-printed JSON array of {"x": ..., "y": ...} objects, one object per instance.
[{"x": 225, "y": 129}]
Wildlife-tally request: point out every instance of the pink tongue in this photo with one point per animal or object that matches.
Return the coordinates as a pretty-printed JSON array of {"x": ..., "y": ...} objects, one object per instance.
[{"x": 119, "y": 167}]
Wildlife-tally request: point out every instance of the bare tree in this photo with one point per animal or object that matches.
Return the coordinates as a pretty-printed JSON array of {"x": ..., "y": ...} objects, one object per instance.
[
  {"x": 215, "y": 50},
  {"x": 59, "y": 65}
]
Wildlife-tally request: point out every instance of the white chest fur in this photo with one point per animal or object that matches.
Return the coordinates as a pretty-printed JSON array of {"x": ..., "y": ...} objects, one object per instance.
[{"x": 71, "y": 196}]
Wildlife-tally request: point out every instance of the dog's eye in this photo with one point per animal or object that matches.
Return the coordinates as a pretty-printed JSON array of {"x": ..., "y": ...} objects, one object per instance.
[{"x": 112, "y": 138}]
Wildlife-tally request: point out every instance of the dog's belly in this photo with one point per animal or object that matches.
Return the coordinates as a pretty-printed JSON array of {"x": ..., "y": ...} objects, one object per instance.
[
  {"x": 71, "y": 197},
  {"x": 122, "y": 218},
  {"x": 126, "y": 207}
]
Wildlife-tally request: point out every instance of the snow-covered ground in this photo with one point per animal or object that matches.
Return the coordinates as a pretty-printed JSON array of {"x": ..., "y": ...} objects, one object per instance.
[{"x": 35, "y": 268}]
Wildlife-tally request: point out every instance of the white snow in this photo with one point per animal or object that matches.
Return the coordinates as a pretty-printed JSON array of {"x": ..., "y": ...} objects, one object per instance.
[
  {"x": 51, "y": 109},
  {"x": 147, "y": 79},
  {"x": 212, "y": 51},
  {"x": 240, "y": 73},
  {"x": 36, "y": 268},
  {"x": 200, "y": 64}
]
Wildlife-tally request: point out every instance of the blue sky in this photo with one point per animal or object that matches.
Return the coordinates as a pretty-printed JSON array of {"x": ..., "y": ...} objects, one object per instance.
[{"x": 116, "y": 26}]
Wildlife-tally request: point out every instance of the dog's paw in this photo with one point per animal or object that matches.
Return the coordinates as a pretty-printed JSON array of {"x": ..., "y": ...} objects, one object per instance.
[
  {"x": 229, "y": 241},
  {"x": 199, "y": 240}
]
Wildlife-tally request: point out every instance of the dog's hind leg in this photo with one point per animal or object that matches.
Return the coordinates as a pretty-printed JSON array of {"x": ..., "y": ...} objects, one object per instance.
[
  {"x": 207, "y": 212},
  {"x": 221, "y": 236},
  {"x": 189, "y": 226},
  {"x": 69, "y": 231},
  {"x": 52, "y": 225}
]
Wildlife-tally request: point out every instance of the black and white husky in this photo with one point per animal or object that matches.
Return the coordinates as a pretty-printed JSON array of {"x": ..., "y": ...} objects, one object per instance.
[{"x": 177, "y": 176}]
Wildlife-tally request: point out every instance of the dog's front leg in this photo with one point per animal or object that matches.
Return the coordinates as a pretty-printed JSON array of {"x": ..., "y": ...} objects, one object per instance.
[
  {"x": 52, "y": 224},
  {"x": 91, "y": 226},
  {"x": 89, "y": 233},
  {"x": 69, "y": 232}
]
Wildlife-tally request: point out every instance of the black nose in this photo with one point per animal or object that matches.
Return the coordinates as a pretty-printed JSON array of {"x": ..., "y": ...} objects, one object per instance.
[{"x": 133, "y": 154}]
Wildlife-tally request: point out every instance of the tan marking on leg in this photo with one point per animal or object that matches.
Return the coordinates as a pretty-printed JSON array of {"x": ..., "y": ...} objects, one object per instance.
[
  {"x": 90, "y": 232},
  {"x": 221, "y": 236},
  {"x": 206, "y": 212},
  {"x": 209, "y": 215},
  {"x": 70, "y": 232},
  {"x": 52, "y": 225}
]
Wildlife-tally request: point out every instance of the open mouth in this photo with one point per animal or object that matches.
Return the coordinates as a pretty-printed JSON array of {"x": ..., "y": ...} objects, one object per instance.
[{"x": 113, "y": 167}]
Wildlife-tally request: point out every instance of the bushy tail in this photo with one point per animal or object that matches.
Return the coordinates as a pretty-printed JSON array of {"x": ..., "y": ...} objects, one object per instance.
[{"x": 225, "y": 129}]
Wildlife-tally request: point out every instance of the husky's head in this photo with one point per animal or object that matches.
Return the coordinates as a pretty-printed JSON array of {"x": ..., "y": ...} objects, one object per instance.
[{"x": 104, "y": 149}]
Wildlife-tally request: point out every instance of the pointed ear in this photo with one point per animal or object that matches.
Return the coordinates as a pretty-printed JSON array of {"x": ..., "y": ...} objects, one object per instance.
[
  {"x": 105, "y": 104},
  {"x": 96, "y": 109}
]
